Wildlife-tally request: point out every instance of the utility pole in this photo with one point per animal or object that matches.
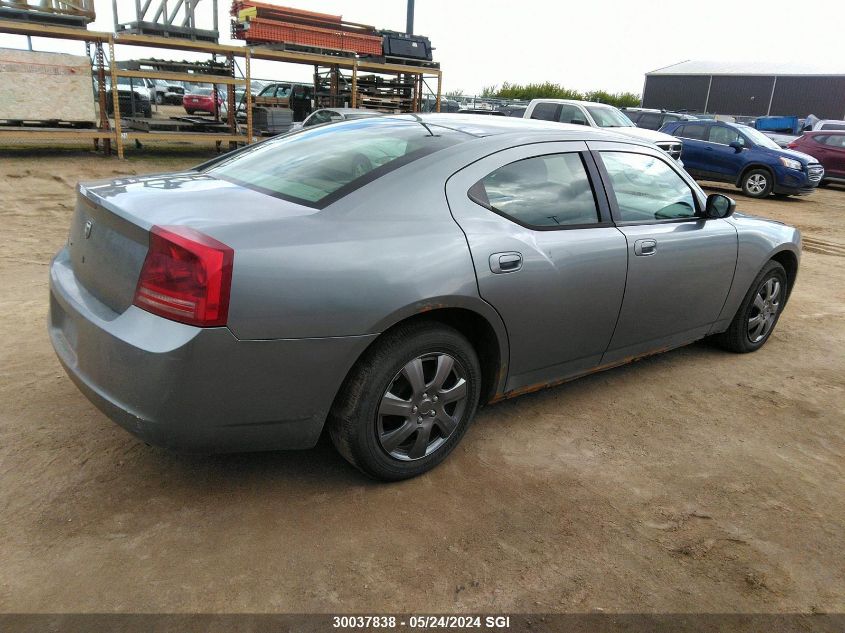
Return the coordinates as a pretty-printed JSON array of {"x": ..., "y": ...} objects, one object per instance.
[{"x": 409, "y": 22}]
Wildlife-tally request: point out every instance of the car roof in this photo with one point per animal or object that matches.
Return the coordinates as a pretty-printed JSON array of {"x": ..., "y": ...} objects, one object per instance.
[
  {"x": 825, "y": 132},
  {"x": 348, "y": 110},
  {"x": 575, "y": 101},
  {"x": 482, "y": 126}
]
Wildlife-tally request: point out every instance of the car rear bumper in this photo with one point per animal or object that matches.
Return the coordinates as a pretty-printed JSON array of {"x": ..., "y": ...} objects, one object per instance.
[{"x": 195, "y": 389}]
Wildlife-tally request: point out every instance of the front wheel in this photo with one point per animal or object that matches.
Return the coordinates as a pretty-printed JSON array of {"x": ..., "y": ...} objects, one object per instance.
[
  {"x": 408, "y": 401},
  {"x": 759, "y": 312},
  {"x": 757, "y": 183}
]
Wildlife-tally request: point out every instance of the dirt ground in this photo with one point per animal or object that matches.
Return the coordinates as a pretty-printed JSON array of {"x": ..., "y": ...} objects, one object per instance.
[{"x": 693, "y": 481}]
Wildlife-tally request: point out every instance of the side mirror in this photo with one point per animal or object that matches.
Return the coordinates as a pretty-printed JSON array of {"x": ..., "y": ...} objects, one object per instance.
[
  {"x": 719, "y": 206},
  {"x": 738, "y": 147}
]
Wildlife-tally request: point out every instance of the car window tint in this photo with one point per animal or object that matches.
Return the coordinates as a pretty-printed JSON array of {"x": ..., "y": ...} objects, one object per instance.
[
  {"x": 321, "y": 164},
  {"x": 832, "y": 126},
  {"x": 650, "y": 121},
  {"x": 647, "y": 189},
  {"x": 545, "y": 111},
  {"x": 571, "y": 114},
  {"x": 695, "y": 131},
  {"x": 544, "y": 191},
  {"x": 834, "y": 141},
  {"x": 633, "y": 115},
  {"x": 724, "y": 135}
]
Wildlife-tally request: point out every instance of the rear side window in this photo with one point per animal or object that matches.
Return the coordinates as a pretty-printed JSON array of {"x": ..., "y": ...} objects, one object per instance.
[
  {"x": 545, "y": 111},
  {"x": 647, "y": 189},
  {"x": 695, "y": 131},
  {"x": 832, "y": 126},
  {"x": 634, "y": 116},
  {"x": 837, "y": 141},
  {"x": 320, "y": 165},
  {"x": 650, "y": 121},
  {"x": 541, "y": 192}
]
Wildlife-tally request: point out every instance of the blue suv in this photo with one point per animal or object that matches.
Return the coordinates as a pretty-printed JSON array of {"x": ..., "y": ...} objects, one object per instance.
[{"x": 729, "y": 152}]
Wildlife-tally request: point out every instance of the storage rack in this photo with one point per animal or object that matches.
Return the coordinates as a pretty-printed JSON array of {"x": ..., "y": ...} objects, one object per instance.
[{"x": 113, "y": 133}]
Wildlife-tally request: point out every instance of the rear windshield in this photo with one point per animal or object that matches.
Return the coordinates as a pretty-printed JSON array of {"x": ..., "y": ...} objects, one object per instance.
[{"x": 322, "y": 164}]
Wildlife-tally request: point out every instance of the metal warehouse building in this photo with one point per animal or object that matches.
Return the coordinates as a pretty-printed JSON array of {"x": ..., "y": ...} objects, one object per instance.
[{"x": 749, "y": 89}]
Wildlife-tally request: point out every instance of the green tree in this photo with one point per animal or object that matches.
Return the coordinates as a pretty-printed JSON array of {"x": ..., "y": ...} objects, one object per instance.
[{"x": 549, "y": 90}]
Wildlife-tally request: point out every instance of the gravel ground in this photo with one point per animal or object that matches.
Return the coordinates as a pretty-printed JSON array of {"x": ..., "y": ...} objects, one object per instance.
[{"x": 692, "y": 481}]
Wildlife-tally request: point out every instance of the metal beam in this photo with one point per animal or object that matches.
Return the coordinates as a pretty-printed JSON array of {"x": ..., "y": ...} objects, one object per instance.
[{"x": 197, "y": 78}]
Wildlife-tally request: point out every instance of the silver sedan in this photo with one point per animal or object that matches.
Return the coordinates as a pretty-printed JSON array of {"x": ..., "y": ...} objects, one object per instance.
[{"x": 385, "y": 277}]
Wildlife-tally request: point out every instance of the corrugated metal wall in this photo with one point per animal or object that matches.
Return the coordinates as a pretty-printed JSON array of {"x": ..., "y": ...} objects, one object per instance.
[
  {"x": 672, "y": 92},
  {"x": 747, "y": 95},
  {"x": 822, "y": 96}
]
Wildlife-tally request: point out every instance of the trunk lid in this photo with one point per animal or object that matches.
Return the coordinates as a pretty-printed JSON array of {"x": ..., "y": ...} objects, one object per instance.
[{"x": 109, "y": 235}]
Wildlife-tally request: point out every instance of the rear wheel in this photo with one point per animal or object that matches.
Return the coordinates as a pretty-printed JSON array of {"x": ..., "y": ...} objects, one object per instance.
[
  {"x": 408, "y": 401},
  {"x": 757, "y": 183},
  {"x": 759, "y": 312}
]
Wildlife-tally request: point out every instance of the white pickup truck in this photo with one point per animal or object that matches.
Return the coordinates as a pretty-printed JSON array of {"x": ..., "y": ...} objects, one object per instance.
[{"x": 603, "y": 116}]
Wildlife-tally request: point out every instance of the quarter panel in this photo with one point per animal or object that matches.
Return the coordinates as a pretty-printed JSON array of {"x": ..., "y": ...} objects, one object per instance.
[{"x": 759, "y": 240}]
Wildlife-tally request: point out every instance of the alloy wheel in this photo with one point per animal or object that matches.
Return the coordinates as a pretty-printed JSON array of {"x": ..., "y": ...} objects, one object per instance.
[
  {"x": 756, "y": 184},
  {"x": 422, "y": 406},
  {"x": 764, "y": 310}
]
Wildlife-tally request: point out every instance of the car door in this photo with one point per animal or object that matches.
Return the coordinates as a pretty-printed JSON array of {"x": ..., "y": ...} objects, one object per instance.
[
  {"x": 680, "y": 266},
  {"x": 693, "y": 153},
  {"x": 834, "y": 155},
  {"x": 725, "y": 162},
  {"x": 546, "y": 255}
]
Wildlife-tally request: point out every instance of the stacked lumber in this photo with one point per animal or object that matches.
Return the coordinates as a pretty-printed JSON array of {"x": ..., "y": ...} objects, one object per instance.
[{"x": 264, "y": 23}]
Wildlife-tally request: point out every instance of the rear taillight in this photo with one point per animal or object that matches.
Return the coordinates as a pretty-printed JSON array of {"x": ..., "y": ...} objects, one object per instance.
[
  {"x": 186, "y": 277},
  {"x": 792, "y": 144}
]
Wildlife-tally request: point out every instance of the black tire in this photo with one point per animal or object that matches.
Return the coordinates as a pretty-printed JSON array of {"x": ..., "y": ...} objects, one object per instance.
[
  {"x": 355, "y": 422},
  {"x": 737, "y": 338},
  {"x": 751, "y": 183}
]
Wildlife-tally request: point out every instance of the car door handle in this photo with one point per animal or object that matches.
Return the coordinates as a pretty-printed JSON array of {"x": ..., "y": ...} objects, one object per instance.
[
  {"x": 644, "y": 248},
  {"x": 505, "y": 262}
]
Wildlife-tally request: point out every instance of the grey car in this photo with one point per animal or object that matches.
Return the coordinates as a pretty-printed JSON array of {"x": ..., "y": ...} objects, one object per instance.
[{"x": 384, "y": 277}]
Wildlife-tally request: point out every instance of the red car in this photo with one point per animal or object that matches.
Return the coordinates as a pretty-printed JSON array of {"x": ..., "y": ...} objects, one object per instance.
[
  {"x": 827, "y": 147},
  {"x": 202, "y": 100}
]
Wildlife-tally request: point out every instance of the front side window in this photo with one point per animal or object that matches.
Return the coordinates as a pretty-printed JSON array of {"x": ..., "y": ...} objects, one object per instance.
[
  {"x": 724, "y": 135},
  {"x": 322, "y": 164},
  {"x": 647, "y": 189},
  {"x": 608, "y": 116},
  {"x": 571, "y": 114},
  {"x": 541, "y": 192}
]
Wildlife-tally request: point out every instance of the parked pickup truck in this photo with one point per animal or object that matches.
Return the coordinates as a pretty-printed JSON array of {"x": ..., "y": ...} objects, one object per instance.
[
  {"x": 602, "y": 116},
  {"x": 739, "y": 154}
]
